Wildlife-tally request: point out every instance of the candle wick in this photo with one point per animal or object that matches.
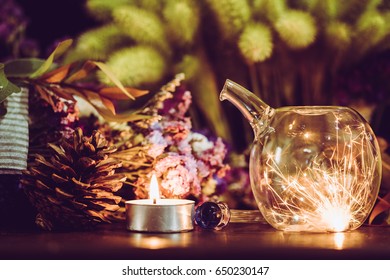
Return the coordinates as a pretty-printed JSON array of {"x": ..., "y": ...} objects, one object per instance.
[{"x": 154, "y": 201}]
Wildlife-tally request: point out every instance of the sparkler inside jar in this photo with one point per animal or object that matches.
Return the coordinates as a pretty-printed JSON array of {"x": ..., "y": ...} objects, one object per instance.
[
  {"x": 324, "y": 188},
  {"x": 312, "y": 168}
]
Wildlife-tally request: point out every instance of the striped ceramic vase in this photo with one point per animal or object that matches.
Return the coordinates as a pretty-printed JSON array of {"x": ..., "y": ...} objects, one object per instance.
[
  {"x": 14, "y": 134},
  {"x": 15, "y": 210}
]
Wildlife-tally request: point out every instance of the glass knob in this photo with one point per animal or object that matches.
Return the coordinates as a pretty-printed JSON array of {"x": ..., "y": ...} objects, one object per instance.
[{"x": 212, "y": 215}]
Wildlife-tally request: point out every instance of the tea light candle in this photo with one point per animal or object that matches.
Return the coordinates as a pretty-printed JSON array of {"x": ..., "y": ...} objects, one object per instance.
[{"x": 159, "y": 215}]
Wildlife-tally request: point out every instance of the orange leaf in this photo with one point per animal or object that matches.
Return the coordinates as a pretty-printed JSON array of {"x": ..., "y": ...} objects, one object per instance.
[
  {"x": 107, "y": 71},
  {"x": 109, "y": 114},
  {"x": 92, "y": 97},
  {"x": 117, "y": 94},
  {"x": 82, "y": 73},
  {"x": 109, "y": 105},
  {"x": 61, "y": 92},
  {"x": 73, "y": 92},
  {"x": 380, "y": 207},
  {"x": 57, "y": 75},
  {"x": 59, "y": 50},
  {"x": 45, "y": 95}
]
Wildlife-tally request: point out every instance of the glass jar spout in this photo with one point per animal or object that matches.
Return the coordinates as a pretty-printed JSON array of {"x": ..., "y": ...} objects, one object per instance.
[{"x": 257, "y": 112}]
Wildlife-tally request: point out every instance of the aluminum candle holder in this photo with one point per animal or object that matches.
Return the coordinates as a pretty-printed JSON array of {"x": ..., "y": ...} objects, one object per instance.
[
  {"x": 159, "y": 215},
  {"x": 167, "y": 215},
  {"x": 312, "y": 168}
]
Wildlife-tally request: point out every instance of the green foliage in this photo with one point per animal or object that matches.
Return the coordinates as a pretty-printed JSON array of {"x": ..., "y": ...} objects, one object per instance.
[
  {"x": 141, "y": 25},
  {"x": 98, "y": 43},
  {"x": 182, "y": 22},
  {"x": 255, "y": 43},
  {"x": 139, "y": 66},
  {"x": 338, "y": 35},
  {"x": 370, "y": 29},
  {"x": 274, "y": 8},
  {"x": 190, "y": 65},
  {"x": 155, "y": 6},
  {"x": 231, "y": 15},
  {"x": 327, "y": 10},
  {"x": 297, "y": 29},
  {"x": 102, "y": 9}
]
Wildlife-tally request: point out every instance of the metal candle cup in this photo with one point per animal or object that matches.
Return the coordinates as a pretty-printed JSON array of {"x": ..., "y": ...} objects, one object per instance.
[{"x": 166, "y": 215}]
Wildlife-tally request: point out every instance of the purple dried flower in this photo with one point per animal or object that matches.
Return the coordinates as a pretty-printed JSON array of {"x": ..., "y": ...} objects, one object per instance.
[
  {"x": 12, "y": 28},
  {"x": 178, "y": 105},
  {"x": 158, "y": 143}
]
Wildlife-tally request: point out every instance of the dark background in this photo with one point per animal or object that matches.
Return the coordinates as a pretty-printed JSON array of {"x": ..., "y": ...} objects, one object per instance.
[{"x": 51, "y": 20}]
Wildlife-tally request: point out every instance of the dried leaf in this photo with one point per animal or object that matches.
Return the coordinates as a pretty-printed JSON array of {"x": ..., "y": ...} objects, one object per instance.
[
  {"x": 73, "y": 92},
  {"x": 57, "y": 75},
  {"x": 112, "y": 77},
  {"x": 103, "y": 105},
  {"x": 82, "y": 73},
  {"x": 380, "y": 207},
  {"x": 63, "y": 93},
  {"x": 92, "y": 97},
  {"x": 59, "y": 50},
  {"x": 45, "y": 96},
  {"x": 109, "y": 105},
  {"x": 117, "y": 94}
]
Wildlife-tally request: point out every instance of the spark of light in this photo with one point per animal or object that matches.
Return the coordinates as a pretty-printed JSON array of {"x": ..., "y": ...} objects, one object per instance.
[{"x": 331, "y": 193}]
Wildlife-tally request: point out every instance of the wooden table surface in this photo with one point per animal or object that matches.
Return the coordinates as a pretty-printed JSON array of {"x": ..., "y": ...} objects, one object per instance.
[{"x": 237, "y": 241}]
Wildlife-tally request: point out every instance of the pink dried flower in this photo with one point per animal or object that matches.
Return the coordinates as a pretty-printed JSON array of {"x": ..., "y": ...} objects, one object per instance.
[
  {"x": 200, "y": 143},
  {"x": 216, "y": 155},
  {"x": 178, "y": 175},
  {"x": 158, "y": 143},
  {"x": 176, "y": 130}
]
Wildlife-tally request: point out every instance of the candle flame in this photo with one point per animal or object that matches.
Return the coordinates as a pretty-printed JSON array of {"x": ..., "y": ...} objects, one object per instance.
[{"x": 154, "y": 193}]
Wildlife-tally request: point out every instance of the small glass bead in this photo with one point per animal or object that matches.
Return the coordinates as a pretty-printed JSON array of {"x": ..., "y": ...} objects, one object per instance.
[{"x": 212, "y": 215}]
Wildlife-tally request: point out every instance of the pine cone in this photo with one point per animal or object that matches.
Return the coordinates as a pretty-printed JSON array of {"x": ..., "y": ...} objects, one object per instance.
[
  {"x": 75, "y": 188},
  {"x": 48, "y": 125}
]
